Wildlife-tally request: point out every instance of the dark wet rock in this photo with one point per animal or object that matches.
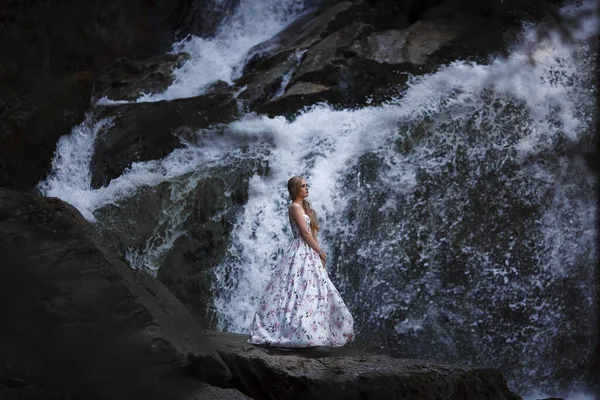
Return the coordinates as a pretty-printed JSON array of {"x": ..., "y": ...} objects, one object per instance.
[
  {"x": 303, "y": 34},
  {"x": 310, "y": 74},
  {"x": 125, "y": 79},
  {"x": 205, "y": 208},
  {"x": 356, "y": 65},
  {"x": 203, "y": 17},
  {"x": 312, "y": 49},
  {"x": 261, "y": 86},
  {"x": 130, "y": 224},
  {"x": 69, "y": 36},
  {"x": 300, "y": 95},
  {"x": 206, "y": 216},
  {"x": 186, "y": 269},
  {"x": 343, "y": 373},
  {"x": 305, "y": 31},
  {"x": 32, "y": 120},
  {"x": 213, "y": 207},
  {"x": 77, "y": 319},
  {"x": 33, "y": 392},
  {"x": 170, "y": 389},
  {"x": 382, "y": 15},
  {"x": 269, "y": 62},
  {"x": 362, "y": 52},
  {"x": 320, "y": 59},
  {"x": 347, "y": 59},
  {"x": 148, "y": 131},
  {"x": 504, "y": 12},
  {"x": 411, "y": 45},
  {"x": 208, "y": 392}
]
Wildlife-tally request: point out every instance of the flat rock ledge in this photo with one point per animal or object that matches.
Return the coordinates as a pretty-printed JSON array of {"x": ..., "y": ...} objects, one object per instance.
[{"x": 345, "y": 373}]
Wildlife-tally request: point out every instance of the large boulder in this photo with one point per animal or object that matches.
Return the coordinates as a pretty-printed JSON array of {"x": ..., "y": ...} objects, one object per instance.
[
  {"x": 326, "y": 373},
  {"x": 208, "y": 392},
  {"x": 410, "y": 45},
  {"x": 308, "y": 29},
  {"x": 173, "y": 389},
  {"x": 358, "y": 64},
  {"x": 319, "y": 61},
  {"x": 125, "y": 79},
  {"x": 186, "y": 268},
  {"x": 148, "y": 131},
  {"x": 77, "y": 320},
  {"x": 269, "y": 62}
]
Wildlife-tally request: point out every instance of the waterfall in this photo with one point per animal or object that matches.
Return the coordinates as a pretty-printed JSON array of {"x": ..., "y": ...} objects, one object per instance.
[
  {"x": 71, "y": 178},
  {"x": 223, "y": 56},
  {"x": 459, "y": 218}
]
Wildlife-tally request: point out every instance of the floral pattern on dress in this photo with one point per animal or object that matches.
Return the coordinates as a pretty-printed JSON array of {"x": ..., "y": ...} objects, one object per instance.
[{"x": 300, "y": 306}]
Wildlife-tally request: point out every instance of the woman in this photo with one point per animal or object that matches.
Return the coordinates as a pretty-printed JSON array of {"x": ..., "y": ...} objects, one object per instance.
[{"x": 300, "y": 306}]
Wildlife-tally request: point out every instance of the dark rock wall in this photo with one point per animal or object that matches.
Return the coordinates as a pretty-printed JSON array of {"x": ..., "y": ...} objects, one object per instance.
[
  {"x": 57, "y": 37},
  {"x": 77, "y": 319}
]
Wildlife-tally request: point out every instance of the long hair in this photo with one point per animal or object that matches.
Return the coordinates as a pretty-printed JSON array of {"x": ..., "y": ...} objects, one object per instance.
[{"x": 294, "y": 185}]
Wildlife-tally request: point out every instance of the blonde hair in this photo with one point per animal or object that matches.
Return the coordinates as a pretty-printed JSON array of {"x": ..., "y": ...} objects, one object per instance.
[{"x": 294, "y": 185}]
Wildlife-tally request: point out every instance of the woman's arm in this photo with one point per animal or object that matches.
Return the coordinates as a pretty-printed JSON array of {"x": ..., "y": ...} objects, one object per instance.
[
  {"x": 322, "y": 254},
  {"x": 297, "y": 215}
]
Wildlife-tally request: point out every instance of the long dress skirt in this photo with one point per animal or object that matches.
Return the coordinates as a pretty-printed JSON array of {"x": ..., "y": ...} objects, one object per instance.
[{"x": 300, "y": 306}]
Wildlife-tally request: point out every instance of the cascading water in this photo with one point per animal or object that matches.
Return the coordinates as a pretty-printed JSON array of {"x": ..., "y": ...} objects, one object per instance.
[
  {"x": 222, "y": 57},
  {"x": 459, "y": 219},
  {"x": 296, "y": 57}
]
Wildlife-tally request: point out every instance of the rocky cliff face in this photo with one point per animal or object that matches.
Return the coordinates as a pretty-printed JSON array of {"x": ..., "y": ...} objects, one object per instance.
[
  {"x": 71, "y": 309},
  {"x": 79, "y": 323}
]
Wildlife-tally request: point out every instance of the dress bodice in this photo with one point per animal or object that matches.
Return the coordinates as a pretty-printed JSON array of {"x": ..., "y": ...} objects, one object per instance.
[{"x": 296, "y": 229}]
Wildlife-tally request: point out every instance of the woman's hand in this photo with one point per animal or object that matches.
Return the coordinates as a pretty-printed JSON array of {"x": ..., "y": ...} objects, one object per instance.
[{"x": 323, "y": 256}]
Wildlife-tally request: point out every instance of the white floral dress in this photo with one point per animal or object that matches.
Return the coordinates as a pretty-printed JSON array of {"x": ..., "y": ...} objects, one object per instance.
[{"x": 300, "y": 306}]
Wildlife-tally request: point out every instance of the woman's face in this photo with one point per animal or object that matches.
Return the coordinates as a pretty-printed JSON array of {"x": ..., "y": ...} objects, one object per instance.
[{"x": 303, "y": 189}]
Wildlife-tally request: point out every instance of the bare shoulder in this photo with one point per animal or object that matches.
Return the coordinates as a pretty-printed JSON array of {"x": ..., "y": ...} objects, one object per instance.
[{"x": 295, "y": 208}]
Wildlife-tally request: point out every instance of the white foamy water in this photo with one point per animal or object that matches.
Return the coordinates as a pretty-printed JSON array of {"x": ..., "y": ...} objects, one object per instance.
[
  {"x": 318, "y": 145},
  {"x": 505, "y": 119},
  {"x": 323, "y": 144},
  {"x": 223, "y": 56},
  {"x": 70, "y": 179}
]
